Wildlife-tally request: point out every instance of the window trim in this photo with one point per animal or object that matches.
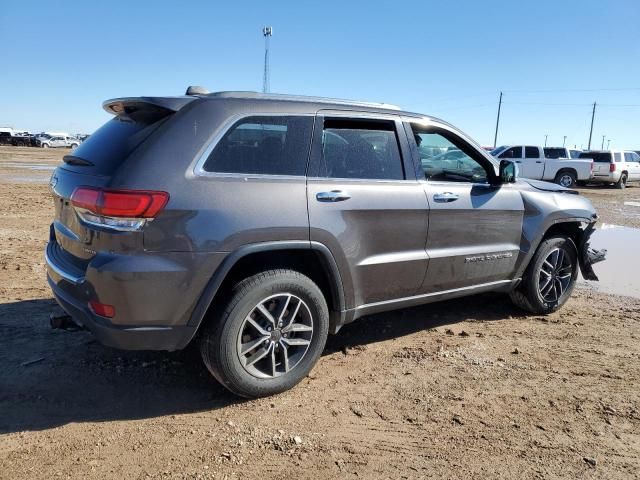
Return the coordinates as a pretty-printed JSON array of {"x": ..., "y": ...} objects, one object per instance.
[{"x": 196, "y": 169}]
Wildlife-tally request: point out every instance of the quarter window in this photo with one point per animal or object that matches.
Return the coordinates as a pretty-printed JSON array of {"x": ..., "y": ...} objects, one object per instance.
[
  {"x": 443, "y": 160},
  {"x": 363, "y": 149},
  {"x": 617, "y": 156},
  {"x": 263, "y": 145}
]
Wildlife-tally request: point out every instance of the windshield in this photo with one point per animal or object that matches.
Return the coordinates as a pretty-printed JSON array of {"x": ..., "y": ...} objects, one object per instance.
[
  {"x": 497, "y": 151},
  {"x": 597, "y": 156}
]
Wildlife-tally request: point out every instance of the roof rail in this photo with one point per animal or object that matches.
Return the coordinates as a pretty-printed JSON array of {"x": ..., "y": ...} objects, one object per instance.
[{"x": 300, "y": 98}]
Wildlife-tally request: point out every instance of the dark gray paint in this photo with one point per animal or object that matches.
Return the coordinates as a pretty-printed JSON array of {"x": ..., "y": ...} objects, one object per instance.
[{"x": 387, "y": 246}]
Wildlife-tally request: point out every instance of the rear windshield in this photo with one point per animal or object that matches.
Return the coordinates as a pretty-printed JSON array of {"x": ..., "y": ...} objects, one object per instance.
[
  {"x": 550, "y": 152},
  {"x": 604, "y": 157},
  {"x": 111, "y": 144}
]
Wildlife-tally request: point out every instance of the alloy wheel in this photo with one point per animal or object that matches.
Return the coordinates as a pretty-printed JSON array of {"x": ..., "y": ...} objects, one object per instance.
[
  {"x": 555, "y": 275},
  {"x": 566, "y": 180},
  {"x": 275, "y": 336}
]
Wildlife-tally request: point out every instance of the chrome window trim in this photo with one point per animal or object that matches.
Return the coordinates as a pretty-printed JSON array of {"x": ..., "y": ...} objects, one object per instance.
[{"x": 196, "y": 168}]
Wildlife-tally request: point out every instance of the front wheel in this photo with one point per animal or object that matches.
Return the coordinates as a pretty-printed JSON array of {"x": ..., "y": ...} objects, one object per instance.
[
  {"x": 269, "y": 334},
  {"x": 550, "y": 277},
  {"x": 44, "y": 145}
]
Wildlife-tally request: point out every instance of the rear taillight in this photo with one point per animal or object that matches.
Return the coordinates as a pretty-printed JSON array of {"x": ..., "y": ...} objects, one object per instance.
[
  {"x": 612, "y": 167},
  {"x": 102, "y": 309},
  {"x": 118, "y": 209}
]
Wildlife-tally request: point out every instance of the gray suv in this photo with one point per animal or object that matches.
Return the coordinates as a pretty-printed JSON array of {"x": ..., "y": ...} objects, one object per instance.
[{"x": 257, "y": 224}]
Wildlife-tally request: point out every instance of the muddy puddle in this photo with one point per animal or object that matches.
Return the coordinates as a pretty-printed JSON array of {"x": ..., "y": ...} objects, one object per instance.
[{"x": 620, "y": 273}]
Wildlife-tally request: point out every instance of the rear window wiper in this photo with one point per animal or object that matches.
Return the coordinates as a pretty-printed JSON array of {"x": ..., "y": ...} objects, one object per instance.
[{"x": 73, "y": 160}]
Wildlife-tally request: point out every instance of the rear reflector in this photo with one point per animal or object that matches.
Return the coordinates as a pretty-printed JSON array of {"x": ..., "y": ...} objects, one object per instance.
[
  {"x": 102, "y": 309},
  {"x": 120, "y": 203},
  {"x": 612, "y": 167}
]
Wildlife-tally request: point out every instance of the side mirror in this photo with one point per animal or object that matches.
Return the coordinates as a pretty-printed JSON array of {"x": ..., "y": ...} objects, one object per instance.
[{"x": 508, "y": 171}]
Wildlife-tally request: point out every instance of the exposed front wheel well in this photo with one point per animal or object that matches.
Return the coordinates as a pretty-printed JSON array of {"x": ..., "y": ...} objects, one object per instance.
[{"x": 573, "y": 230}]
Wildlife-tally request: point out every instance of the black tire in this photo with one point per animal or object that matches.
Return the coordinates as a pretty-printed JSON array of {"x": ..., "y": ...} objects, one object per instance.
[
  {"x": 566, "y": 178},
  {"x": 528, "y": 296},
  {"x": 622, "y": 183},
  {"x": 219, "y": 344},
  {"x": 44, "y": 145}
]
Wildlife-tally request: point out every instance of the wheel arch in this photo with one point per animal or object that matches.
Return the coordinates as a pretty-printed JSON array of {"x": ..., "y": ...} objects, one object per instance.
[
  {"x": 571, "y": 227},
  {"x": 309, "y": 258}
]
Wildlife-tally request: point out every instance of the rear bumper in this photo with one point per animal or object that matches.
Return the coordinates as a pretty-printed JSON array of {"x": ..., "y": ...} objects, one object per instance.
[
  {"x": 153, "y": 294},
  {"x": 124, "y": 338}
]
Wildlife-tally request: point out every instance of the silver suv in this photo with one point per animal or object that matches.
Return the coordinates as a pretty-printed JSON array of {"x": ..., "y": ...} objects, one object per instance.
[{"x": 257, "y": 224}]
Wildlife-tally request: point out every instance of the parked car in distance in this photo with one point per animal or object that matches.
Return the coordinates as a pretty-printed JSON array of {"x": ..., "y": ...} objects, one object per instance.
[
  {"x": 561, "y": 152},
  {"x": 57, "y": 141},
  {"x": 617, "y": 167},
  {"x": 282, "y": 218},
  {"x": 533, "y": 164}
]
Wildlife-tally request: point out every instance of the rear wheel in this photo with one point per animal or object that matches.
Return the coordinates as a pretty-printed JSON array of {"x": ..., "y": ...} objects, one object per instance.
[
  {"x": 566, "y": 178},
  {"x": 44, "y": 145},
  {"x": 550, "y": 278},
  {"x": 269, "y": 335},
  {"x": 622, "y": 183}
]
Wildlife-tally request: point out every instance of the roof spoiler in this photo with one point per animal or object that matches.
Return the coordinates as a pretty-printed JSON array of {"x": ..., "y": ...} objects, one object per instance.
[{"x": 126, "y": 107}]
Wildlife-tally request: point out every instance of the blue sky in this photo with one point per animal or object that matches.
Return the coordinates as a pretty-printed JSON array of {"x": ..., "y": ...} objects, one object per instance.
[{"x": 451, "y": 59}]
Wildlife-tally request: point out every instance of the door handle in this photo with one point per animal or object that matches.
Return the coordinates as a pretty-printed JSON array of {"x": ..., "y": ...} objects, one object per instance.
[
  {"x": 538, "y": 161},
  {"x": 332, "y": 196},
  {"x": 445, "y": 197},
  {"x": 518, "y": 161}
]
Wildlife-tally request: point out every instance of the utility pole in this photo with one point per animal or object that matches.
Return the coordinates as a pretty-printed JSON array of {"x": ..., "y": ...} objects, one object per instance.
[
  {"x": 608, "y": 142},
  {"x": 564, "y": 140},
  {"x": 602, "y": 146},
  {"x": 495, "y": 138},
  {"x": 545, "y": 140},
  {"x": 593, "y": 114},
  {"x": 266, "y": 32}
]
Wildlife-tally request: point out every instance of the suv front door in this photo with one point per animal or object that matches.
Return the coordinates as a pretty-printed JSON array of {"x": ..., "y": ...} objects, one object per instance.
[
  {"x": 367, "y": 206},
  {"x": 475, "y": 226}
]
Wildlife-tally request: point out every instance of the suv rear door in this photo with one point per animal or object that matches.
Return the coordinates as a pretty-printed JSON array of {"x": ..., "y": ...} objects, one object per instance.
[
  {"x": 366, "y": 205},
  {"x": 475, "y": 227}
]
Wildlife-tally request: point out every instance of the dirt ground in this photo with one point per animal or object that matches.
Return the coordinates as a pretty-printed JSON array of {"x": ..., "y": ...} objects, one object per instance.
[{"x": 469, "y": 388}]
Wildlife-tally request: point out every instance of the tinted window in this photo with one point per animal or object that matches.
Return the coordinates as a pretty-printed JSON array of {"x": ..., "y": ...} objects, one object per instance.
[
  {"x": 112, "y": 143},
  {"x": 635, "y": 157},
  {"x": 550, "y": 152},
  {"x": 360, "y": 149},
  {"x": 617, "y": 156},
  {"x": 531, "y": 152},
  {"x": 444, "y": 160},
  {"x": 513, "y": 152},
  {"x": 575, "y": 153},
  {"x": 604, "y": 157},
  {"x": 276, "y": 145},
  {"x": 628, "y": 157}
]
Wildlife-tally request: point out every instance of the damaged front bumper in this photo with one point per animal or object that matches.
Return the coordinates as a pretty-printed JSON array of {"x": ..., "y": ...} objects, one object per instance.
[{"x": 588, "y": 256}]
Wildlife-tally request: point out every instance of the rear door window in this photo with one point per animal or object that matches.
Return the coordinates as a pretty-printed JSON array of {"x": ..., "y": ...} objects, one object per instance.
[
  {"x": 617, "y": 156},
  {"x": 360, "y": 149},
  {"x": 531, "y": 152},
  {"x": 263, "y": 145}
]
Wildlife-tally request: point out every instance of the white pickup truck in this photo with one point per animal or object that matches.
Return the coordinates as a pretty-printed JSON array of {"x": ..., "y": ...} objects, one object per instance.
[{"x": 533, "y": 164}]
